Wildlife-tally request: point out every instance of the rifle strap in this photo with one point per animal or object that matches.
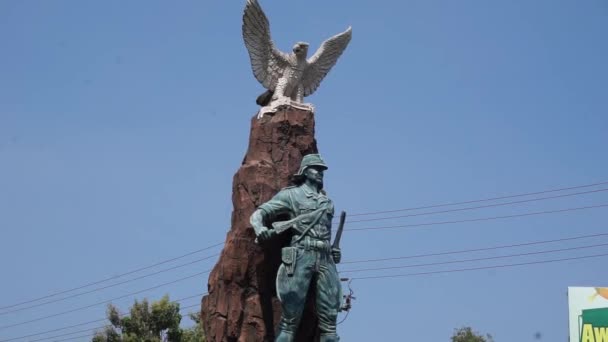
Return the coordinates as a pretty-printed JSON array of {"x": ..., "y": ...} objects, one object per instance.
[{"x": 312, "y": 224}]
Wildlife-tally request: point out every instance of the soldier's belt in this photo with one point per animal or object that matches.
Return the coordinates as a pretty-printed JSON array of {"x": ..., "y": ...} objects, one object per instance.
[{"x": 314, "y": 245}]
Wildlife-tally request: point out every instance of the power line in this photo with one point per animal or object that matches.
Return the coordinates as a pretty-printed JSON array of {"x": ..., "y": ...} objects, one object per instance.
[
  {"x": 104, "y": 302},
  {"x": 475, "y": 249},
  {"x": 470, "y": 260},
  {"x": 110, "y": 278},
  {"x": 445, "y": 271},
  {"x": 479, "y": 200},
  {"x": 91, "y": 335},
  {"x": 482, "y": 219},
  {"x": 109, "y": 286},
  {"x": 480, "y": 268},
  {"x": 479, "y": 219},
  {"x": 356, "y": 214},
  {"x": 474, "y": 259},
  {"x": 372, "y": 260},
  {"x": 351, "y": 229},
  {"x": 100, "y": 327},
  {"x": 453, "y": 252},
  {"x": 479, "y": 207},
  {"x": 392, "y": 258},
  {"x": 75, "y": 337},
  {"x": 89, "y": 322},
  {"x": 58, "y": 329},
  {"x": 358, "y": 229},
  {"x": 432, "y": 272}
]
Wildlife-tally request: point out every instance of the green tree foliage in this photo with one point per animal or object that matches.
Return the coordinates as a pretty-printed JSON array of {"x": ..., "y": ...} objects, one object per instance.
[
  {"x": 158, "y": 322},
  {"x": 466, "y": 334},
  {"x": 194, "y": 334}
]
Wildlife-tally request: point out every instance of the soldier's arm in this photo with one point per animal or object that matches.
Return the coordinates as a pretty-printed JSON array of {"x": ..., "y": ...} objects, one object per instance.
[
  {"x": 257, "y": 221},
  {"x": 330, "y": 212},
  {"x": 280, "y": 203},
  {"x": 335, "y": 251}
]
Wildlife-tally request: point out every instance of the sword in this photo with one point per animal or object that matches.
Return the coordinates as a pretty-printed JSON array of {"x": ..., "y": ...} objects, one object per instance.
[{"x": 336, "y": 243}]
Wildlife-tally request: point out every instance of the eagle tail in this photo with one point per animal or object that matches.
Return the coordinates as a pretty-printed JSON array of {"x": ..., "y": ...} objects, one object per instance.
[{"x": 265, "y": 98}]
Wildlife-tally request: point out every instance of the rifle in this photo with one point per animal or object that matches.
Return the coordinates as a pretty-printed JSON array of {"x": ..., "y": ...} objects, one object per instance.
[{"x": 282, "y": 226}]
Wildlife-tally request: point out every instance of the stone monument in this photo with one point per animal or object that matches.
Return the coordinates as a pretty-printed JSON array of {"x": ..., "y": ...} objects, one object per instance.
[{"x": 242, "y": 302}]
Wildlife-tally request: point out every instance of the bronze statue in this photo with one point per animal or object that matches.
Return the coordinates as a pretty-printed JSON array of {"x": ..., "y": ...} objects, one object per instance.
[{"x": 309, "y": 256}]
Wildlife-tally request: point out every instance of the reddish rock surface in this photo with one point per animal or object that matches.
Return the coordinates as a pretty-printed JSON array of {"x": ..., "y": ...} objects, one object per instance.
[{"x": 241, "y": 304}]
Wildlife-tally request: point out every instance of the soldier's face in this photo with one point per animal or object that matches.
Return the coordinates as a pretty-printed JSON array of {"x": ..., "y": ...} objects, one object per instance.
[{"x": 314, "y": 174}]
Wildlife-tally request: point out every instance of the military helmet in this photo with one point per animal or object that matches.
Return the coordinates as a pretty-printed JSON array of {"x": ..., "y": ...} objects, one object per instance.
[{"x": 311, "y": 160}]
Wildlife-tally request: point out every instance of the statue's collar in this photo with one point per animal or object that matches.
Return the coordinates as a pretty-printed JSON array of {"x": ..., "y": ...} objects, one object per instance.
[{"x": 310, "y": 192}]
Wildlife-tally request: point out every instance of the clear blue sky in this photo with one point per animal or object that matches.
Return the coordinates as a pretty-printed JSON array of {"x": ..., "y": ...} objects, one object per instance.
[{"x": 123, "y": 122}]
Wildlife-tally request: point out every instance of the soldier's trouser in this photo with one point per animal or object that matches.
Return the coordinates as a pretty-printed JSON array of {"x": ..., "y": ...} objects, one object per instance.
[{"x": 308, "y": 265}]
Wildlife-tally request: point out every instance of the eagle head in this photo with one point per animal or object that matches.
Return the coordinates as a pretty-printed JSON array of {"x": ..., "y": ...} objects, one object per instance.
[{"x": 300, "y": 49}]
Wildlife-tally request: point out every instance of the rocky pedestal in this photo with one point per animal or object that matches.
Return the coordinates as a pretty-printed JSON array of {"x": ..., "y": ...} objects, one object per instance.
[{"x": 241, "y": 304}]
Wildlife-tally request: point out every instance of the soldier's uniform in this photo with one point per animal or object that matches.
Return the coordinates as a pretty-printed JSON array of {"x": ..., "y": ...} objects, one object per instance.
[{"x": 308, "y": 258}]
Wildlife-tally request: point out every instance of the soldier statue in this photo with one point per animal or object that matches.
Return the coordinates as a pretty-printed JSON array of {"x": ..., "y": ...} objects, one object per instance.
[{"x": 309, "y": 257}]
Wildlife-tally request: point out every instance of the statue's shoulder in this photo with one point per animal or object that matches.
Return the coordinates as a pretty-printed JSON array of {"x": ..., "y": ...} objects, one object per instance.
[
  {"x": 292, "y": 191},
  {"x": 284, "y": 190},
  {"x": 290, "y": 188},
  {"x": 287, "y": 194}
]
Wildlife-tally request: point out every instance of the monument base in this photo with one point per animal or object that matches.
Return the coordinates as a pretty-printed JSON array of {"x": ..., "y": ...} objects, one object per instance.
[{"x": 241, "y": 304}]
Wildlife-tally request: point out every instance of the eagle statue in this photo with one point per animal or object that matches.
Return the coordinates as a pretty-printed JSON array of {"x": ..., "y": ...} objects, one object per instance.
[{"x": 289, "y": 77}]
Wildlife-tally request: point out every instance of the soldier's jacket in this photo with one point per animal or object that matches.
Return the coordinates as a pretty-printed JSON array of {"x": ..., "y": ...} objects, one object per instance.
[{"x": 297, "y": 200}]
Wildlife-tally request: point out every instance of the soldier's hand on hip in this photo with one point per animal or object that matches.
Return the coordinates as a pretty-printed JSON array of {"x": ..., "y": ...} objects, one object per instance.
[
  {"x": 266, "y": 234},
  {"x": 336, "y": 255}
]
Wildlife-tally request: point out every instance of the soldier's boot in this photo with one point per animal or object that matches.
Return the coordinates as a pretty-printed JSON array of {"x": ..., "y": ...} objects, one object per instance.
[
  {"x": 285, "y": 336},
  {"x": 329, "y": 338},
  {"x": 328, "y": 330},
  {"x": 287, "y": 329}
]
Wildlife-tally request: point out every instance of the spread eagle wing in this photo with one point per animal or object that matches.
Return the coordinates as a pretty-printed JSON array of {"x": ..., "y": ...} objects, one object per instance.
[
  {"x": 323, "y": 60},
  {"x": 267, "y": 62}
]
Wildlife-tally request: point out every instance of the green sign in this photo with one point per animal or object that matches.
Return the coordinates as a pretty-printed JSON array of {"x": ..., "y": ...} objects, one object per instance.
[
  {"x": 588, "y": 314},
  {"x": 594, "y": 325}
]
